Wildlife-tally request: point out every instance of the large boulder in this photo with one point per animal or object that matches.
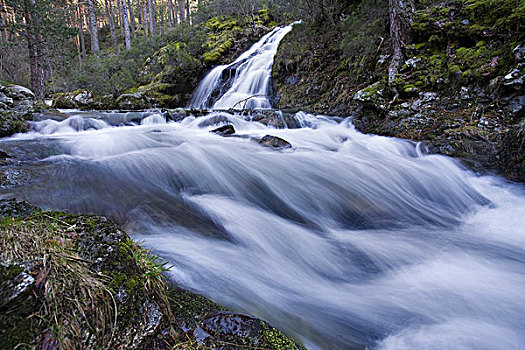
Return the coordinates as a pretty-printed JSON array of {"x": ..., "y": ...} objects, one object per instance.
[
  {"x": 17, "y": 105},
  {"x": 133, "y": 101}
]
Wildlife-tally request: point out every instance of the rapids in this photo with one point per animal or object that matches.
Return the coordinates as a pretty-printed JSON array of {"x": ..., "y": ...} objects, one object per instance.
[{"x": 344, "y": 241}]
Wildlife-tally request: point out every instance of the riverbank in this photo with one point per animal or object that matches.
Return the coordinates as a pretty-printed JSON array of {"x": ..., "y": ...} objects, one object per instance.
[
  {"x": 79, "y": 281},
  {"x": 460, "y": 90}
]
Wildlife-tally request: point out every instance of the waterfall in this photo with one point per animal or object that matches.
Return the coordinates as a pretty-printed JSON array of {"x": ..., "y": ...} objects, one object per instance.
[{"x": 245, "y": 82}]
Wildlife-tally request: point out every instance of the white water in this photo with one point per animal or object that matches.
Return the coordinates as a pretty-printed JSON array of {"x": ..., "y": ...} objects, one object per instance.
[
  {"x": 250, "y": 81},
  {"x": 345, "y": 241}
]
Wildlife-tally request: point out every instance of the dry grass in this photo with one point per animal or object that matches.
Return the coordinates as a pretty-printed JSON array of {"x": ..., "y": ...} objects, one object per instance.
[{"x": 77, "y": 306}]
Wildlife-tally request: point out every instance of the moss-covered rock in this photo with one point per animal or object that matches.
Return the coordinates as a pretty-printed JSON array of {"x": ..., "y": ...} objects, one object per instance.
[
  {"x": 17, "y": 105},
  {"x": 77, "y": 281},
  {"x": 467, "y": 52}
]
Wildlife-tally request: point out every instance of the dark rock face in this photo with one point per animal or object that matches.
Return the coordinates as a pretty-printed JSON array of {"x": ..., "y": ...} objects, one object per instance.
[
  {"x": 225, "y": 130},
  {"x": 274, "y": 142},
  {"x": 512, "y": 153}
]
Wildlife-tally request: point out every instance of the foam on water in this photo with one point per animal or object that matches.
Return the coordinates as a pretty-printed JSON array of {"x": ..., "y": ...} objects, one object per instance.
[{"x": 344, "y": 241}]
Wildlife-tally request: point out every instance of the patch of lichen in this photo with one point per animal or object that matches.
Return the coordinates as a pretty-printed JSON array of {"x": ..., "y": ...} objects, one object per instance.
[{"x": 186, "y": 305}]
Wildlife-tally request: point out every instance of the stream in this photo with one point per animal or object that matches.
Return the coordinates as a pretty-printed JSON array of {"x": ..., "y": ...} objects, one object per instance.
[{"x": 344, "y": 241}]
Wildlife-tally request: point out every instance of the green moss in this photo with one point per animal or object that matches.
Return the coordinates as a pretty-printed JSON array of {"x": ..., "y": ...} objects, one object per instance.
[
  {"x": 410, "y": 88},
  {"x": 275, "y": 339},
  {"x": 211, "y": 56},
  {"x": 454, "y": 69},
  {"x": 11, "y": 272},
  {"x": 21, "y": 333}
]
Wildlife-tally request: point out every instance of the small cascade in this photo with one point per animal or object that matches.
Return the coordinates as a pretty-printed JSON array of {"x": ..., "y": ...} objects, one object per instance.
[{"x": 243, "y": 84}]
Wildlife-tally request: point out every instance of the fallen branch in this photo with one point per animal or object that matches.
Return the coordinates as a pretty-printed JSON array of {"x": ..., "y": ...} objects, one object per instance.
[{"x": 245, "y": 102}]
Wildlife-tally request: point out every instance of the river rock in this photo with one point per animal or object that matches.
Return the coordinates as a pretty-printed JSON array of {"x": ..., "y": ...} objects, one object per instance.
[
  {"x": 18, "y": 92},
  {"x": 14, "y": 283},
  {"x": 371, "y": 95},
  {"x": 516, "y": 107},
  {"x": 274, "y": 142},
  {"x": 225, "y": 130},
  {"x": 83, "y": 98},
  {"x": 132, "y": 101}
]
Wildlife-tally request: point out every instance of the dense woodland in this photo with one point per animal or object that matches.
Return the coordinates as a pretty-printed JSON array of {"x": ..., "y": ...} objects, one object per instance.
[{"x": 61, "y": 45}]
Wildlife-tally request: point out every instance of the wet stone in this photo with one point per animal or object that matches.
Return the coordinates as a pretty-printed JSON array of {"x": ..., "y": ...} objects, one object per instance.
[
  {"x": 225, "y": 130},
  {"x": 274, "y": 142}
]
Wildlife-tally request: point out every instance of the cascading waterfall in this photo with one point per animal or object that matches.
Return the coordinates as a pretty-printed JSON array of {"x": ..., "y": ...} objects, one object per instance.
[
  {"x": 245, "y": 82},
  {"x": 344, "y": 241}
]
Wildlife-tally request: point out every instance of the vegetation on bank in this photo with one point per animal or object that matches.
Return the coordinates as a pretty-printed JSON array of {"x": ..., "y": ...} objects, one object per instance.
[
  {"x": 76, "y": 281},
  {"x": 459, "y": 89}
]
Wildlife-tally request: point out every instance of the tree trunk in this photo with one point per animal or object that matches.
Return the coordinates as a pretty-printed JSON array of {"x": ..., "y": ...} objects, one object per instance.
[
  {"x": 81, "y": 30},
  {"x": 109, "y": 15},
  {"x": 151, "y": 17},
  {"x": 34, "y": 45},
  {"x": 127, "y": 36},
  {"x": 188, "y": 18},
  {"x": 162, "y": 7},
  {"x": 121, "y": 17},
  {"x": 145, "y": 16},
  {"x": 3, "y": 21},
  {"x": 171, "y": 19},
  {"x": 131, "y": 19},
  {"x": 400, "y": 12},
  {"x": 93, "y": 27},
  {"x": 181, "y": 11}
]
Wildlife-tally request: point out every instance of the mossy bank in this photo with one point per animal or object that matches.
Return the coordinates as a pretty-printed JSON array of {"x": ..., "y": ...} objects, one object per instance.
[
  {"x": 460, "y": 89},
  {"x": 79, "y": 282}
]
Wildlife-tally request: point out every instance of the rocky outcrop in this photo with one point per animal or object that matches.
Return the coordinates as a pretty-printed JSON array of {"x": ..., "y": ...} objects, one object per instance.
[
  {"x": 460, "y": 89},
  {"x": 83, "y": 99},
  {"x": 78, "y": 281},
  {"x": 17, "y": 103}
]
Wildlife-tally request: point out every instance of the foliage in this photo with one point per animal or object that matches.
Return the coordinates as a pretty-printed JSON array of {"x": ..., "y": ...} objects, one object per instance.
[{"x": 364, "y": 30}]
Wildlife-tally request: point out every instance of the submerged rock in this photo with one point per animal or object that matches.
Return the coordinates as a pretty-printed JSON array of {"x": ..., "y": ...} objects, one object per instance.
[{"x": 274, "y": 142}]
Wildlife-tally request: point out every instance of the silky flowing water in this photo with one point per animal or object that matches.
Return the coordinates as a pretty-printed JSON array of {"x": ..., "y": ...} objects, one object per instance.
[{"x": 344, "y": 241}]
